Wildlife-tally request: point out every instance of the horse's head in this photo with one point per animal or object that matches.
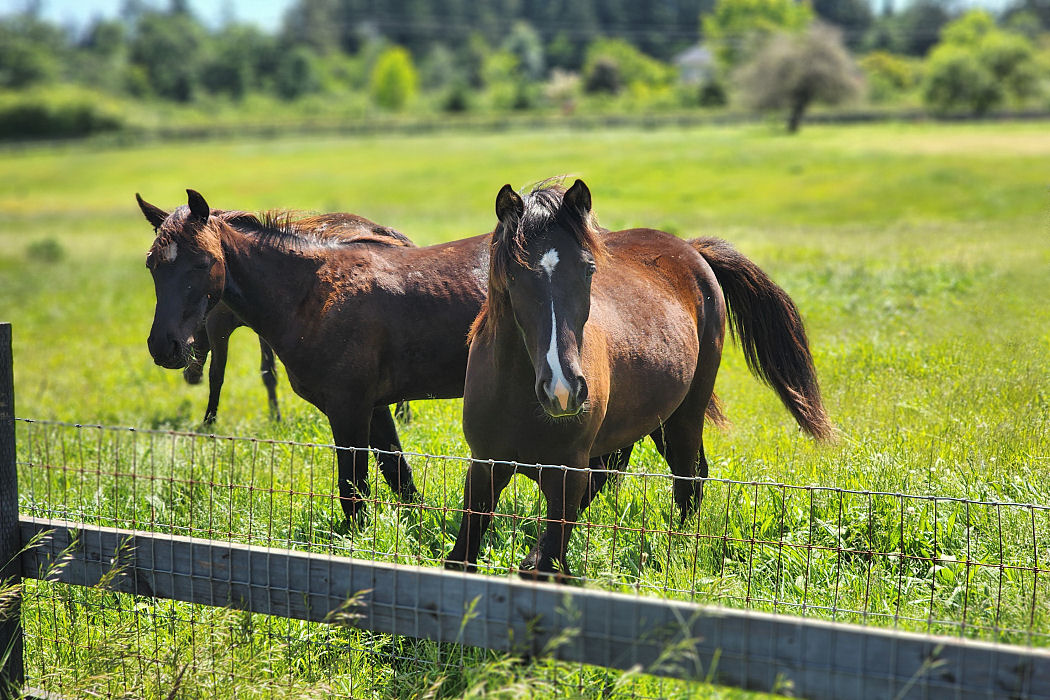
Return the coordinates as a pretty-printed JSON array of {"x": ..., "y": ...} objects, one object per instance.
[
  {"x": 544, "y": 254},
  {"x": 189, "y": 274}
]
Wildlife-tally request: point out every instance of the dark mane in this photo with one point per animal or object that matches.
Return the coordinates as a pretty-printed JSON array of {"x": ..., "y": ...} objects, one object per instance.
[
  {"x": 282, "y": 228},
  {"x": 543, "y": 209}
]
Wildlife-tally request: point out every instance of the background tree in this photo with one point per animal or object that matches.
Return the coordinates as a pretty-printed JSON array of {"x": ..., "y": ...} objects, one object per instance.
[
  {"x": 913, "y": 31},
  {"x": 394, "y": 79},
  {"x": 525, "y": 44},
  {"x": 297, "y": 72},
  {"x": 1037, "y": 9},
  {"x": 170, "y": 49},
  {"x": 853, "y": 17},
  {"x": 234, "y": 66},
  {"x": 31, "y": 51},
  {"x": 737, "y": 28},
  {"x": 795, "y": 70}
]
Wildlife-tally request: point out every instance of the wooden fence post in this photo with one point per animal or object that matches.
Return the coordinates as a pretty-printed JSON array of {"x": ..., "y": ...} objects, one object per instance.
[{"x": 12, "y": 672}]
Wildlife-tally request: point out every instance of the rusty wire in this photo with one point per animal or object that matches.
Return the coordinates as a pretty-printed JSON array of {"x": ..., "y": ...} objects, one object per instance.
[{"x": 972, "y": 568}]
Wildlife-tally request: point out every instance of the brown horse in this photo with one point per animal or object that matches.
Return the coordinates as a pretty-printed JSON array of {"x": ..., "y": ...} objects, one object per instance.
[
  {"x": 591, "y": 340},
  {"x": 360, "y": 320}
]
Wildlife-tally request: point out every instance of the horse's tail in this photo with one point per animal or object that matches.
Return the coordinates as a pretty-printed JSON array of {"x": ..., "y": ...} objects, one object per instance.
[{"x": 769, "y": 329}]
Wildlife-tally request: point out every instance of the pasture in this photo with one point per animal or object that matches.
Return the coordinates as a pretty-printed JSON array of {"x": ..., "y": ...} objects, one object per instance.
[{"x": 919, "y": 256}]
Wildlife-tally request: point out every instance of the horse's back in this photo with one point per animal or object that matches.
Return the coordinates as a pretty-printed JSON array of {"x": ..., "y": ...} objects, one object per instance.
[{"x": 651, "y": 278}]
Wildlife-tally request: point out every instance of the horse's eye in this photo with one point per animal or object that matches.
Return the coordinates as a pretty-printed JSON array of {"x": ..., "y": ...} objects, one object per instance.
[
  {"x": 202, "y": 266},
  {"x": 591, "y": 268}
]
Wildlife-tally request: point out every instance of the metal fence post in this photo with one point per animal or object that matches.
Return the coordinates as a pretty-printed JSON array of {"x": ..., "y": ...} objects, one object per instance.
[{"x": 12, "y": 672}]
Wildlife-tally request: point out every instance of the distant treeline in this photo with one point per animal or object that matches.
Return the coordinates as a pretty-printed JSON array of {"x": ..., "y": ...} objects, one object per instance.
[{"x": 348, "y": 58}]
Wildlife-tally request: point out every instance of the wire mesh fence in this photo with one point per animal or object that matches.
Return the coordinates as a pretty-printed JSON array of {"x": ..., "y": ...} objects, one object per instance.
[{"x": 966, "y": 568}]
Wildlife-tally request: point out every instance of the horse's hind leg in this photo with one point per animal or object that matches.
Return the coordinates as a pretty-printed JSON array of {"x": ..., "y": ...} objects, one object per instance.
[
  {"x": 681, "y": 443},
  {"x": 392, "y": 464},
  {"x": 268, "y": 369},
  {"x": 681, "y": 440},
  {"x": 603, "y": 470}
]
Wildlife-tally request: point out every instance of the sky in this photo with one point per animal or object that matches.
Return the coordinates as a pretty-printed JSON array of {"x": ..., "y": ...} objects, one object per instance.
[{"x": 266, "y": 14}]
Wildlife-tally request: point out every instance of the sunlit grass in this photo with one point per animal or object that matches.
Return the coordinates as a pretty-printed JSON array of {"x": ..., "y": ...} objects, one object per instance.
[{"x": 918, "y": 255}]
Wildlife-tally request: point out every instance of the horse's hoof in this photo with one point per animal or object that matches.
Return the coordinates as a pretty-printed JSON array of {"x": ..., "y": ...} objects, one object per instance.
[
  {"x": 456, "y": 565},
  {"x": 355, "y": 513},
  {"x": 533, "y": 568}
]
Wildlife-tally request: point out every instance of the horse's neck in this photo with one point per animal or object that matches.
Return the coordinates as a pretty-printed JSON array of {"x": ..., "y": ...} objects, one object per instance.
[
  {"x": 508, "y": 348},
  {"x": 265, "y": 286}
]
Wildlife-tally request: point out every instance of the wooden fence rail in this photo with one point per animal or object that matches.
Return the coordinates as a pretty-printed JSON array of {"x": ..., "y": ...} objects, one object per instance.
[{"x": 748, "y": 649}]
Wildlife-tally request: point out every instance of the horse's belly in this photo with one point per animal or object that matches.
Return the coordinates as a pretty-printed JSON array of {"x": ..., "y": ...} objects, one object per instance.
[{"x": 651, "y": 372}]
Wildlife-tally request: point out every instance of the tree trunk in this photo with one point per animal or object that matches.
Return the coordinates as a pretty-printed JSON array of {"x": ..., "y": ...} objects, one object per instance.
[{"x": 798, "y": 108}]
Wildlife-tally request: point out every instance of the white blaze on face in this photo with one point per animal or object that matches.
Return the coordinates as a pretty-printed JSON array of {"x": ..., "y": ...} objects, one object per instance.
[
  {"x": 168, "y": 252},
  {"x": 560, "y": 386}
]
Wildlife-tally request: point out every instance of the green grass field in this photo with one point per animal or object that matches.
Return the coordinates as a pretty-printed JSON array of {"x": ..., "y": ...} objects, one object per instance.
[{"x": 919, "y": 256}]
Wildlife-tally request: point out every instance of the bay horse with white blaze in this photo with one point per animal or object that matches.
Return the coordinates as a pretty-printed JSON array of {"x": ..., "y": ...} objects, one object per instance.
[
  {"x": 360, "y": 320},
  {"x": 590, "y": 340}
]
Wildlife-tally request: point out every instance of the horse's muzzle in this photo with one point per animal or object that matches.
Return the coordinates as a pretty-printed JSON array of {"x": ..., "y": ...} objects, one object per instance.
[
  {"x": 169, "y": 353},
  {"x": 563, "y": 401}
]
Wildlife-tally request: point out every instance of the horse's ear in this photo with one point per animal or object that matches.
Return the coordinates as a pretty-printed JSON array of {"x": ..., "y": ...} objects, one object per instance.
[
  {"x": 199, "y": 209},
  {"x": 509, "y": 207},
  {"x": 578, "y": 199},
  {"x": 154, "y": 215}
]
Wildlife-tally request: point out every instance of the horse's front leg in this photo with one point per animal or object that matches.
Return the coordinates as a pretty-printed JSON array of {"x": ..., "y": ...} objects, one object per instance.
[
  {"x": 219, "y": 339},
  {"x": 564, "y": 490},
  {"x": 350, "y": 430},
  {"x": 481, "y": 491},
  {"x": 392, "y": 464},
  {"x": 201, "y": 347}
]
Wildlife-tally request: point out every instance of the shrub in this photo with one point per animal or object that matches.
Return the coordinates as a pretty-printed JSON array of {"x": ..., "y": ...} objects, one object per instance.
[
  {"x": 603, "y": 75},
  {"x": 978, "y": 66},
  {"x": 55, "y": 115},
  {"x": 45, "y": 250},
  {"x": 394, "y": 79},
  {"x": 888, "y": 75},
  {"x": 957, "y": 81},
  {"x": 713, "y": 93},
  {"x": 615, "y": 62},
  {"x": 456, "y": 98}
]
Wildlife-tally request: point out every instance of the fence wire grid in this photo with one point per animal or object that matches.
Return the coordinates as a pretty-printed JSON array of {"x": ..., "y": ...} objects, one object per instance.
[{"x": 967, "y": 568}]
